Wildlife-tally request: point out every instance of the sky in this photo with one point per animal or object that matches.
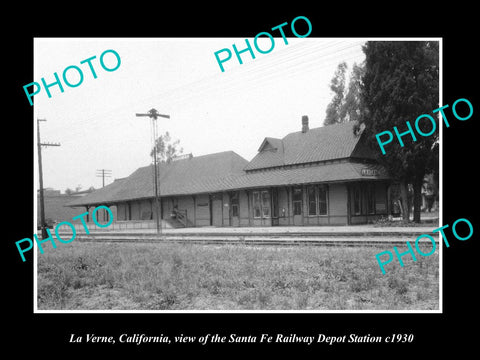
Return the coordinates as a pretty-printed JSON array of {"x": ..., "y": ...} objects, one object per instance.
[{"x": 210, "y": 110}]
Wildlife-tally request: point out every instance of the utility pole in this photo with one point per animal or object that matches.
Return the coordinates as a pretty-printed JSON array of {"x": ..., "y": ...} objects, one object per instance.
[
  {"x": 40, "y": 171},
  {"x": 104, "y": 173},
  {"x": 153, "y": 114}
]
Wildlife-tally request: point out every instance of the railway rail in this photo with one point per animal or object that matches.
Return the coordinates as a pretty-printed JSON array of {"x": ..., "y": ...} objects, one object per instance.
[{"x": 257, "y": 239}]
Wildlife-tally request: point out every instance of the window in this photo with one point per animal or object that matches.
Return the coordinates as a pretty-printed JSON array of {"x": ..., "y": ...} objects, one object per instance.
[
  {"x": 312, "y": 201},
  {"x": 322, "y": 200},
  {"x": 261, "y": 204},
  {"x": 234, "y": 204},
  {"x": 106, "y": 215},
  {"x": 265, "y": 204},
  {"x": 317, "y": 200},
  {"x": 256, "y": 204},
  {"x": 297, "y": 201}
]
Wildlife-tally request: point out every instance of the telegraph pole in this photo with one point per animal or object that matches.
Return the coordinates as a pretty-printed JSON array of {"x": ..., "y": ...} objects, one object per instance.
[
  {"x": 40, "y": 171},
  {"x": 104, "y": 173},
  {"x": 153, "y": 114}
]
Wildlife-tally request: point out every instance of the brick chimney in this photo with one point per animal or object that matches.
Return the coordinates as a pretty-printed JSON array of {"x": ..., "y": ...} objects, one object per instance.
[{"x": 304, "y": 123}]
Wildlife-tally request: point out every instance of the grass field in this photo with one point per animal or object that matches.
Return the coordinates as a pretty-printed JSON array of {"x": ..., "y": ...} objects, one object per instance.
[{"x": 128, "y": 276}]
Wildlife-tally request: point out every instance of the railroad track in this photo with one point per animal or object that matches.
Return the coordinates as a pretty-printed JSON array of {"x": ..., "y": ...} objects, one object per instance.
[{"x": 256, "y": 239}]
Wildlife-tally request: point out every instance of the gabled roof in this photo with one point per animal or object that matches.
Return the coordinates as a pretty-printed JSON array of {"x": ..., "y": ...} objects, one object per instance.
[
  {"x": 319, "y": 144},
  {"x": 180, "y": 177},
  {"x": 271, "y": 144},
  {"x": 272, "y": 153}
]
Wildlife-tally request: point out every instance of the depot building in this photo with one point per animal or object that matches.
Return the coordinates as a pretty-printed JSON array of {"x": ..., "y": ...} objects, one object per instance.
[{"x": 320, "y": 176}]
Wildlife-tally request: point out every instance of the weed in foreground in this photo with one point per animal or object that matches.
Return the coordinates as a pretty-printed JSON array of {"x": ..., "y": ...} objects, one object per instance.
[{"x": 185, "y": 276}]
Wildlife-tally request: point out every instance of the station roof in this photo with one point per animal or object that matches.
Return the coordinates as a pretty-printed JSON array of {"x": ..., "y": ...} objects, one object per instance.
[
  {"x": 314, "y": 145},
  {"x": 328, "y": 154}
]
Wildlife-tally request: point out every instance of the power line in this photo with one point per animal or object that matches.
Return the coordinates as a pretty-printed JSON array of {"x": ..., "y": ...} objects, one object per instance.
[
  {"x": 289, "y": 62},
  {"x": 292, "y": 64},
  {"x": 103, "y": 173},
  {"x": 294, "y": 55}
]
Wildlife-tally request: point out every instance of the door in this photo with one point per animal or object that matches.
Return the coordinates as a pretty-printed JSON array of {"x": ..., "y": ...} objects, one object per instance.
[
  {"x": 275, "y": 221},
  {"x": 216, "y": 210},
  {"x": 234, "y": 209},
  {"x": 297, "y": 203}
]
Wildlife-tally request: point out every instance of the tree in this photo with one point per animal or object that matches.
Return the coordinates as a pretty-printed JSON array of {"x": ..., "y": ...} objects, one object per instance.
[
  {"x": 346, "y": 102},
  {"x": 352, "y": 105},
  {"x": 401, "y": 83},
  {"x": 337, "y": 85},
  {"x": 68, "y": 191},
  {"x": 166, "y": 149}
]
